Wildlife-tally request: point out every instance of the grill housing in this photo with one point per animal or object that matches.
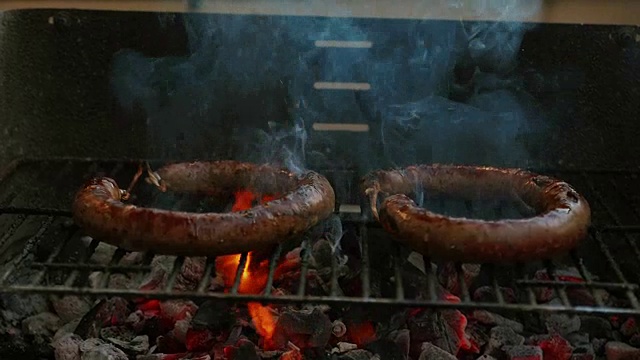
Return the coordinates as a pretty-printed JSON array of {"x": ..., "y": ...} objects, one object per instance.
[{"x": 48, "y": 257}]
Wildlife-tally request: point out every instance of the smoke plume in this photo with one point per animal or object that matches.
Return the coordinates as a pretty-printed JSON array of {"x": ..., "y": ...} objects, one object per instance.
[{"x": 440, "y": 91}]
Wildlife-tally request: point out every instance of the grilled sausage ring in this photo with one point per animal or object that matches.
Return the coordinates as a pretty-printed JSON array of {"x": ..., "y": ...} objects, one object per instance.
[
  {"x": 562, "y": 221},
  {"x": 308, "y": 199}
]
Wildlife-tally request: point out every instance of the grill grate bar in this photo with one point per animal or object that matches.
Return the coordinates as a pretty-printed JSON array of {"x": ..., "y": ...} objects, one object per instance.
[
  {"x": 364, "y": 250},
  {"x": 334, "y": 287},
  {"x": 284, "y": 299},
  {"x": 616, "y": 218},
  {"x": 146, "y": 263},
  {"x": 531, "y": 296},
  {"x": 396, "y": 296},
  {"x": 242, "y": 264},
  {"x": 630, "y": 241},
  {"x": 464, "y": 289},
  {"x": 571, "y": 284},
  {"x": 559, "y": 290},
  {"x": 630, "y": 295},
  {"x": 494, "y": 283},
  {"x": 37, "y": 278},
  {"x": 206, "y": 276},
  {"x": 34, "y": 212},
  {"x": 620, "y": 229},
  {"x": 30, "y": 243},
  {"x": 86, "y": 256},
  {"x": 607, "y": 254},
  {"x": 117, "y": 256},
  {"x": 175, "y": 270},
  {"x": 588, "y": 280},
  {"x": 12, "y": 229},
  {"x": 431, "y": 278},
  {"x": 304, "y": 267},
  {"x": 605, "y": 250},
  {"x": 397, "y": 266},
  {"x": 87, "y": 266},
  {"x": 272, "y": 269}
]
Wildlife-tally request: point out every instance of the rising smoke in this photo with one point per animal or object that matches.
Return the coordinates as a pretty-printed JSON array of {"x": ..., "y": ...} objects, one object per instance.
[{"x": 441, "y": 91}]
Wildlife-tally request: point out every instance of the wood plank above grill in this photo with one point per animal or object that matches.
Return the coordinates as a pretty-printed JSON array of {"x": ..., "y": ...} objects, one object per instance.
[{"x": 618, "y": 12}]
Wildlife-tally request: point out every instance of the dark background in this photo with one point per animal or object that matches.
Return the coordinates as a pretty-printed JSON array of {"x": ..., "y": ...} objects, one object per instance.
[{"x": 113, "y": 84}]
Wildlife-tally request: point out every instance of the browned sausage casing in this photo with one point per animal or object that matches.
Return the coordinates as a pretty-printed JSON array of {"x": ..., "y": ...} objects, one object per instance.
[
  {"x": 308, "y": 199},
  {"x": 562, "y": 221}
]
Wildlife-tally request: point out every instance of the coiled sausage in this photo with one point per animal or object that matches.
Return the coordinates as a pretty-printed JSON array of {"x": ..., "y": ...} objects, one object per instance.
[
  {"x": 562, "y": 221},
  {"x": 308, "y": 198}
]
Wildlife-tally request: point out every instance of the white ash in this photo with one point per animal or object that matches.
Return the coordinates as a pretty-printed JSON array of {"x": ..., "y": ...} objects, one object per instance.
[
  {"x": 66, "y": 329},
  {"x": 524, "y": 352},
  {"x": 432, "y": 352},
  {"x": 72, "y": 347},
  {"x": 502, "y": 336},
  {"x": 102, "y": 254},
  {"x": 333, "y": 233},
  {"x": 90, "y": 344},
  {"x": 160, "y": 268},
  {"x": 70, "y": 307},
  {"x": 358, "y": 354},
  {"x": 403, "y": 340},
  {"x": 191, "y": 273},
  {"x": 104, "y": 352},
  {"x": 562, "y": 324},
  {"x": 116, "y": 281},
  {"x": 343, "y": 347},
  {"x": 578, "y": 338},
  {"x": 136, "y": 321},
  {"x": 292, "y": 323},
  {"x": 188, "y": 277},
  {"x": 67, "y": 347},
  {"x": 180, "y": 329},
  {"x": 137, "y": 345},
  {"x": 489, "y": 318},
  {"x": 338, "y": 328},
  {"x": 178, "y": 309},
  {"x": 41, "y": 326},
  {"x": 417, "y": 260},
  {"x": 584, "y": 351}
]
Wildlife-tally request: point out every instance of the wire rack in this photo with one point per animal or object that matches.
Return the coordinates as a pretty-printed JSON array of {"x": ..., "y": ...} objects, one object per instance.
[{"x": 38, "y": 239}]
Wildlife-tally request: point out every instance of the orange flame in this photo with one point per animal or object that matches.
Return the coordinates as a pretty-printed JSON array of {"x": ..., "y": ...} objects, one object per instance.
[{"x": 254, "y": 276}]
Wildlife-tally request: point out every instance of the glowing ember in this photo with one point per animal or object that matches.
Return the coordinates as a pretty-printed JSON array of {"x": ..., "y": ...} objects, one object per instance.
[
  {"x": 555, "y": 347},
  {"x": 254, "y": 276},
  {"x": 199, "y": 340},
  {"x": 460, "y": 325},
  {"x": 361, "y": 333},
  {"x": 451, "y": 298},
  {"x": 243, "y": 200},
  {"x": 149, "y": 307},
  {"x": 465, "y": 343}
]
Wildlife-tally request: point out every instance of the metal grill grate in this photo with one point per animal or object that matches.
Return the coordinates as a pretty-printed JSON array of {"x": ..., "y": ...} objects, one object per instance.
[{"x": 43, "y": 252}]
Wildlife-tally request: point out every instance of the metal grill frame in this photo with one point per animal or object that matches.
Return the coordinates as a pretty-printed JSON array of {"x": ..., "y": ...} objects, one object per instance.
[{"x": 399, "y": 300}]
